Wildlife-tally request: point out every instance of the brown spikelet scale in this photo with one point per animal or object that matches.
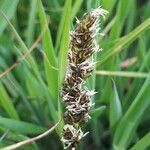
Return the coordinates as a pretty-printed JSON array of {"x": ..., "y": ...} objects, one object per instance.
[{"x": 75, "y": 95}]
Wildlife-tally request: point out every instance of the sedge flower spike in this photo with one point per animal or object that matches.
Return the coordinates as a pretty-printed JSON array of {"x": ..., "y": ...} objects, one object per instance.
[{"x": 75, "y": 95}]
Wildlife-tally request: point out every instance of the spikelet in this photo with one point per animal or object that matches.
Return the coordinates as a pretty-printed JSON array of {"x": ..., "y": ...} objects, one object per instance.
[{"x": 75, "y": 95}]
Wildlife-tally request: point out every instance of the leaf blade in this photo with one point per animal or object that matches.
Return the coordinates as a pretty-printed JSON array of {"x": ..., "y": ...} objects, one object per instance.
[
  {"x": 21, "y": 126},
  {"x": 9, "y": 8},
  {"x": 51, "y": 74},
  {"x": 130, "y": 120},
  {"x": 7, "y": 103},
  {"x": 115, "y": 107}
]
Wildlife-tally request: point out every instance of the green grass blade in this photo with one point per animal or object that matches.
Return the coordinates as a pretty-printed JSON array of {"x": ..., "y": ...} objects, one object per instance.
[
  {"x": 61, "y": 28},
  {"x": 126, "y": 40},
  {"x": 10, "y": 82},
  {"x": 21, "y": 126},
  {"x": 143, "y": 143},
  {"x": 31, "y": 22},
  {"x": 64, "y": 45},
  {"x": 97, "y": 112},
  {"x": 122, "y": 74},
  {"x": 9, "y": 8},
  {"x": 23, "y": 48},
  {"x": 51, "y": 74},
  {"x": 35, "y": 90},
  {"x": 108, "y": 5},
  {"x": 128, "y": 124},
  {"x": 115, "y": 113},
  {"x": 136, "y": 84},
  {"x": 7, "y": 104},
  {"x": 76, "y": 8},
  {"x": 123, "y": 10}
]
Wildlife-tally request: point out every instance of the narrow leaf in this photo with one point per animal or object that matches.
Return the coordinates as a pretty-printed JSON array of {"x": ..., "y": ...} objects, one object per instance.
[
  {"x": 122, "y": 74},
  {"x": 98, "y": 111},
  {"x": 65, "y": 41},
  {"x": 125, "y": 40},
  {"x": 143, "y": 143},
  {"x": 51, "y": 74},
  {"x": 9, "y": 8},
  {"x": 115, "y": 107},
  {"x": 76, "y": 8},
  {"x": 20, "y": 126},
  {"x": 128, "y": 124},
  {"x": 31, "y": 22},
  {"x": 7, "y": 104}
]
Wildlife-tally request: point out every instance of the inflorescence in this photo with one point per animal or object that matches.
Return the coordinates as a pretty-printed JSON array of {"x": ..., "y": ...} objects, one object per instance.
[{"x": 75, "y": 95}]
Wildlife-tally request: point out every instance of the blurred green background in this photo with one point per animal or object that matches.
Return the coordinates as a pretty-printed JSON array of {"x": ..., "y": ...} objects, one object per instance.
[{"x": 29, "y": 90}]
